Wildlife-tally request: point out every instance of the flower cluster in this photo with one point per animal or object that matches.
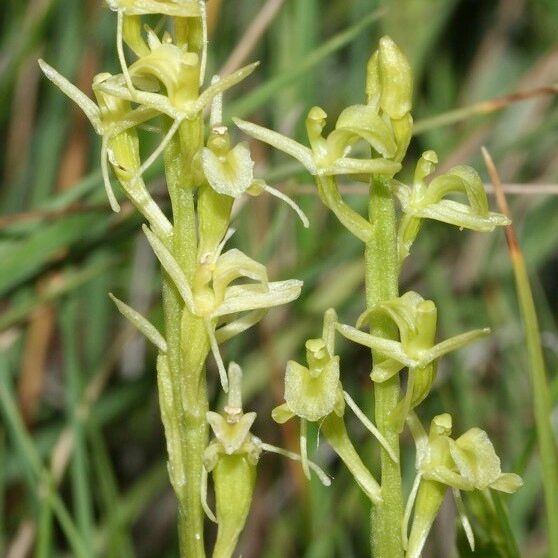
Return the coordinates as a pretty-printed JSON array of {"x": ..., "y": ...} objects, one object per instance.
[{"x": 164, "y": 81}]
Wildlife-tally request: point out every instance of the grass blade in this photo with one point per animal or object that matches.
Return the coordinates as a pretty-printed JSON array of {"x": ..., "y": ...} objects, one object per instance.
[{"x": 537, "y": 368}]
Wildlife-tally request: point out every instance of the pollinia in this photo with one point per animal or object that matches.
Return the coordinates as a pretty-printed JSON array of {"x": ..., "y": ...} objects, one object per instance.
[{"x": 211, "y": 293}]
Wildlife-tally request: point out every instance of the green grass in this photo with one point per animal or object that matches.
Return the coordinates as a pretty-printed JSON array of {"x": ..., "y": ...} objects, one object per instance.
[{"x": 70, "y": 251}]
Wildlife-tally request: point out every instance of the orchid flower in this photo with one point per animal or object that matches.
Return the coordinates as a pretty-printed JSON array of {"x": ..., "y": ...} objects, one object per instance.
[
  {"x": 468, "y": 463},
  {"x": 415, "y": 318},
  {"x": 230, "y": 170},
  {"x": 114, "y": 120},
  {"x": 314, "y": 393},
  {"x": 211, "y": 296},
  {"x": 389, "y": 89},
  {"x": 129, "y": 27},
  {"x": 232, "y": 458},
  {"x": 428, "y": 201},
  {"x": 174, "y": 70},
  {"x": 384, "y": 124}
]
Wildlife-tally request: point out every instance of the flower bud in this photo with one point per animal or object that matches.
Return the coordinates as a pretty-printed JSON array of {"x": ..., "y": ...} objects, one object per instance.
[{"x": 389, "y": 80}]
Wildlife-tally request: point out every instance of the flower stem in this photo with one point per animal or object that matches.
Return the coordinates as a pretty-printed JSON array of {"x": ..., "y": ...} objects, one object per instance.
[
  {"x": 382, "y": 278},
  {"x": 187, "y": 342}
]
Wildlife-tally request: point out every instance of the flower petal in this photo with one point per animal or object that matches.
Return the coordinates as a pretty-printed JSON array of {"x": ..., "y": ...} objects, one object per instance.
[
  {"x": 280, "y": 142},
  {"x": 232, "y": 174},
  {"x": 242, "y": 298}
]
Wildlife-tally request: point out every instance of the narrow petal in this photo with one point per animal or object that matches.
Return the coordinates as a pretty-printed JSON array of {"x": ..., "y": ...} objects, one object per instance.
[
  {"x": 115, "y": 87},
  {"x": 290, "y": 202},
  {"x": 217, "y": 355},
  {"x": 324, "y": 479},
  {"x": 392, "y": 349},
  {"x": 203, "y": 497},
  {"x": 90, "y": 109},
  {"x": 461, "y": 215},
  {"x": 221, "y": 86},
  {"x": 453, "y": 344},
  {"x": 304, "y": 448},
  {"x": 242, "y": 298},
  {"x": 282, "y": 143},
  {"x": 120, "y": 51},
  {"x": 158, "y": 151},
  {"x": 370, "y": 427},
  {"x": 114, "y": 205},
  {"x": 239, "y": 325},
  {"x": 460, "y": 505}
]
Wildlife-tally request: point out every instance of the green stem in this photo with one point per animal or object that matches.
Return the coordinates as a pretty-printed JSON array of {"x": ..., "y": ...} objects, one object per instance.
[
  {"x": 187, "y": 342},
  {"x": 382, "y": 278}
]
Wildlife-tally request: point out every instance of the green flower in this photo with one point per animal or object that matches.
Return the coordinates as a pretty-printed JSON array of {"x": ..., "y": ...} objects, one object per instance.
[
  {"x": 384, "y": 125},
  {"x": 230, "y": 170},
  {"x": 212, "y": 297},
  {"x": 428, "y": 201},
  {"x": 467, "y": 463},
  {"x": 415, "y": 318},
  {"x": 166, "y": 79},
  {"x": 314, "y": 393},
  {"x": 328, "y": 157},
  {"x": 114, "y": 120},
  {"x": 232, "y": 458}
]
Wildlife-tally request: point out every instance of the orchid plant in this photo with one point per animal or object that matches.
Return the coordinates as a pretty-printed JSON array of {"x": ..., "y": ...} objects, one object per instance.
[{"x": 211, "y": 294}]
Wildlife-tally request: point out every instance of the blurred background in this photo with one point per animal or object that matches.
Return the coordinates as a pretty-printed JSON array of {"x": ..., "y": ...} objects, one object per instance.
[{"x": 78, "y": 389}]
